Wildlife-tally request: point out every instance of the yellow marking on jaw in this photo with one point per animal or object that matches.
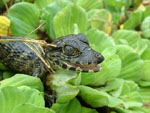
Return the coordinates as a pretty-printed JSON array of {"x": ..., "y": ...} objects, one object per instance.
[
  {"x": 78, "y": 69},
  {"x": 91, "y": 70},
  {"x": 68, "y": 67}
]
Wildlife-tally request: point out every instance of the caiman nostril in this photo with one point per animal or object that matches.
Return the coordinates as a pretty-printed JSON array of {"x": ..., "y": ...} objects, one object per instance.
[
  {"x": 98, "y": 55},
  {"x": 100, "y": 58}
]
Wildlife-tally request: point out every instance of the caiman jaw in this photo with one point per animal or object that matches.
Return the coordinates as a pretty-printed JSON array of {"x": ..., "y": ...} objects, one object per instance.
[{"x": 87, "y": 67}]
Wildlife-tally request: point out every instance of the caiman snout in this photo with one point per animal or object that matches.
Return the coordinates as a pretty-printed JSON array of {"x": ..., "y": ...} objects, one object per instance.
[{"x": 99, "y": 57}]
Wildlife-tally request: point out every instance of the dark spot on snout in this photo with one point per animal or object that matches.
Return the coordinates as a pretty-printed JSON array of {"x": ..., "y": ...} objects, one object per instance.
[{"x": 99, "y": 57}]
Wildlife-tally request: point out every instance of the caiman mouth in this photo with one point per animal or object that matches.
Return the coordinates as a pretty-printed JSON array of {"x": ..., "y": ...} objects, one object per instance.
[{"x": 87, "y": 67}]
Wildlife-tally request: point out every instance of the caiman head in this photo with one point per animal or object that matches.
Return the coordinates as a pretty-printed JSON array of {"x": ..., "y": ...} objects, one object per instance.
[{"x": 73, "y": 52}]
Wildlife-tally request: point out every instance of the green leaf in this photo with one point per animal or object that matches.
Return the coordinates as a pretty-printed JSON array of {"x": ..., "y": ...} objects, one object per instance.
[
  {"x": 42, "y": 3},
  {"x": 144, "y": 83},
  {"x": 112, "y": 86},
  {"x": 123, "y": 93},
  {"x": 132, "y": 100},
  {"x": 88, "y": 110},
  {"x": 141, "y": 46},
  {"x": 23, "y": 80},
  {"x": 146, "y": 54},
  {"x": 113, "y": 102},
  {"x": 133, "y": 21},
  {"x": 32, "y": 96},
  {"x": 64, "y": 83},
  {"x": 2, "y": 66},
  {"x": 24, "y": 19},
  {"x": 72, "y": 106},
  {"x": 132, "y": 65},
  {"x": 90, "y": 4},
  {"x": 99, "y": 40},
  {"x": 13, "y": 99},
  {"x": 116, "y": 5},
  {"x": 145, "y": 92},
  {"x": 145, "y": 27},
  {"x": 146, "y": 11},
  {"x": 129, "y": 87},
  {"x": 133, "y": 110},
  {"x": 126, "y": 37},
  {"x": 7, "y": 74},
  {"x": 48, "y": 14},
  {"x": 70, "y": 20},
  {"x": 93, "y": 97},
  {"x": 101, "y": 20},
  {"x": 146, "y": 75},
  {"x": 10, "y": 97},
  {"x": 30, "y": 108}
]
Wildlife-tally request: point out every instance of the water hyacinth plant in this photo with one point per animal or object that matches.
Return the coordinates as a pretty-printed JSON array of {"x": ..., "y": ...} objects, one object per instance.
[{"x": 119, "y": 29}]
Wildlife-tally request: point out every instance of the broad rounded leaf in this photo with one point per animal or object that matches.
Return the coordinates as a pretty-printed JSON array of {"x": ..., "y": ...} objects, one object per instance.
[
  {"x": 146, "y": 75},
  {"x": 90, "y": 4},
  {"x": 126, "y": 37},
  {"x": 7, "y": 74},
  {"x": 100, "y": 40},
  {"x": 73, "y": 106},
  {"x": 146, "y": 54},
  {"x": 24, "y": 19},
  {"x": 32, "y": 96},
  {"x": 143, "y": 83},
  {"x": 10, "y": 97},
  {"x": 88, "y": 110},
  {"x": 132, "y": 65},
  {"x": 101, "y": 20},
  {"x": 145, "y": 27},
  {"x": 134, "y": 20},
  {"x": 13, "y": 100},
  {"x": 93, "y": 97},
  {"x": 70, "y": 20},
  {"x": 145, "y": 92},
  {"x": 47, "y": 15},
  {"x": 122, "y": 93},
  {"x": 116, "y": 5},
  {"x": 42, "y": 3},
  {"x": 2, "y": 66},
  {"x": 30, "y": 108},
  {"x": 64, "y": 83},
  {"x": 23, "y": 80},
  {"x": 146, "y": 11},
  {"x": 141, "y": 46},
  {"x": 133, "y": 99}
]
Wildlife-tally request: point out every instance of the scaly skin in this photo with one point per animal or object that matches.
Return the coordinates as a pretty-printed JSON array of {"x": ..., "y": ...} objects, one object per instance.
[{"x": 72, "y": 52}]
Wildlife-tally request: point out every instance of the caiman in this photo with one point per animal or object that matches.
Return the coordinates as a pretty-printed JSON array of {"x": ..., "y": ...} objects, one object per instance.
[{"x": 72, "y": 52}]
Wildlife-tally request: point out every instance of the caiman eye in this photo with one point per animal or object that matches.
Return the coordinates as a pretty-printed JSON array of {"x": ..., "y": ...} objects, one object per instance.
[{"x": 70, "y": 51}]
